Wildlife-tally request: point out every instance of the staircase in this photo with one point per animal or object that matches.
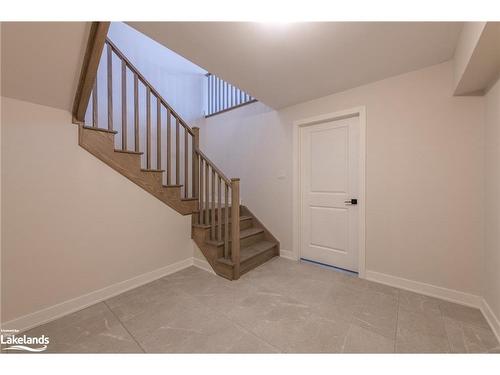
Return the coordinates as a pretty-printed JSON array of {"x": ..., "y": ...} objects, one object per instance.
[{"x": 154, "y": 148}]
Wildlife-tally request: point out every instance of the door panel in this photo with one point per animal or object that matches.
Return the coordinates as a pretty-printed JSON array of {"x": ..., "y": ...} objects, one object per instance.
[
  {"x": 328, "y": 170},
  {"x": 335, "y": 239},
  {"x": 330, "y": 147}
]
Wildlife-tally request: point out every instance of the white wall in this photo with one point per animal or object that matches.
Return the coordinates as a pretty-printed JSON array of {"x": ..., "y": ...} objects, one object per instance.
[
  {"x": 70, "y": 224},
  {"x": 477, "y": 58},
  {"x": 467, "y": 42},
  {"x": 424, "y": 172},
  {"x": 41, "y": 61},
  {"x": 491, "y": 278}
]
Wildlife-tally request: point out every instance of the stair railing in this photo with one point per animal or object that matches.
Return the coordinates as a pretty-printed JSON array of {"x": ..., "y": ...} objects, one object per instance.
[
  {"x": 207, "y": 182},
  {"x": 214, "y": 209},
  {"x": 176, "y": 128},
  {"x": 223, "y": 96}
]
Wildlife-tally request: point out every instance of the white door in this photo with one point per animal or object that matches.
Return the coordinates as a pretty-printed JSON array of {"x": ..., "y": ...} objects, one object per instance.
[{"x": 329, "y": 153}]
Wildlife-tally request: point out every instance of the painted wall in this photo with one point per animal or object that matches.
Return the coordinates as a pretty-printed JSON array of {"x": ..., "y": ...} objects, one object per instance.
[
  {"x": 491, "y": 279},
  {"x": 477, "y": 58},
  {"x": 467, "y": 42},
  {"x": 424, "y": 172},
  {"x": 41, "y": 61},
  {"x": 70, "y": 224}
]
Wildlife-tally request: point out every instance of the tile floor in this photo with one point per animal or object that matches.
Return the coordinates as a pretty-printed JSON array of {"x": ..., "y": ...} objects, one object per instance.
[{"x": 282, "y": 306}]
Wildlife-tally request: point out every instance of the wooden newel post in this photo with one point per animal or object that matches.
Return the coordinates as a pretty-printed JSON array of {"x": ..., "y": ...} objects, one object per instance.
[
  {"x": 235, "y": 226},
  {"x": 196, "y": 170}
]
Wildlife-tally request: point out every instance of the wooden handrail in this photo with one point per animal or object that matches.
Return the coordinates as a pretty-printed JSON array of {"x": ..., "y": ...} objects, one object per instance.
[
  {"x": 95, "y": 44},
  {"x": 147, "y": 84}
]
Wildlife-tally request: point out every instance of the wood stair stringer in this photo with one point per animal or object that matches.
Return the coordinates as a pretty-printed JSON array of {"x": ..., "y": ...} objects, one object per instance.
[{"x": 100, "y": 143}]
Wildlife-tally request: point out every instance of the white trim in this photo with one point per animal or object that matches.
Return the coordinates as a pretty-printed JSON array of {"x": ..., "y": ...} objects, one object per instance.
[
  {"x": 451, "y": 295},
  {"x": 491, "y": 318},
  {"x": 287, "y": 254},
  {"x": 203, "y": 264},
  {"x": 357, "y": 111},
  {"x": 67, "y": 307}
]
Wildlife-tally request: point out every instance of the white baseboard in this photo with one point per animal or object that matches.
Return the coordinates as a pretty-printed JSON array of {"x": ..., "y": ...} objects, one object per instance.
[
  {"x": 203, "y": 264},
  {"x": 67, "y": 307},
  {"x": 492, "y": 319},
  {"x": 287, "y": 254},
  {"x": 426, "y": 289}
]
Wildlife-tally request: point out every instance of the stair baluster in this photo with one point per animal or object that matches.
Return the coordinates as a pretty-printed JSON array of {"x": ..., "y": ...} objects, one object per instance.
[
  {"x": 169, "y": 148},
  {"x": 110, "y": 87},
  {"x": 235, "y": 226},
  {"x": 186, "y": 164},
  {"x": 212, "y": 227},
  {"x": 201, "y": 194},
  {"x": 148, "y": 128},
  {"x": 196, "y": 162},
  {"x": 226, "y": 220},
  {"x": 95, "y": 113},
  {"x": 124, "y": 105},
  {"x": 158, "y": 133},
  {"x": 219, "y": 208},
  {"x": 177, "y": 158}
]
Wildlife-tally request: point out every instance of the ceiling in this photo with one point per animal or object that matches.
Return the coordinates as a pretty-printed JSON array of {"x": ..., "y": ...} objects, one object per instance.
[
  {"x": 285, "y": 64},
  {"x": 41, "y": 61}
]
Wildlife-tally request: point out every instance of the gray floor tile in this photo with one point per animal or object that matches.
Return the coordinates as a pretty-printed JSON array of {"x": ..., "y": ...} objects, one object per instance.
[
  {"x": 362, "y": 340},
  {"x": 92, "y": 330},
  {"x": 281, "y": 306},
  {"x": 312, "y": 335},
  {"x": 136, "y": 301},
  {"x": 465, "y": 338},
  {"x": 464, "y": 314},
  {"x": 419, "y": 303},
  {"x": 408, "y": 341},
  {"x": 411, "y": 321},
  {"x": 379, "y": 319}
]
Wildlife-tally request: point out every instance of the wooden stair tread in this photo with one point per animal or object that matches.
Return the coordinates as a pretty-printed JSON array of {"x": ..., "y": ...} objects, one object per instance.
[
  {"x": 189, "y": 199},
  {"x": 251, "y": 251},
  {"x": 244, "y": 233},
  {"x": 242, "y": 218},
  {"x": 100, "y": 129},
  {"x": 171, "y": 186},
  {"x": 129, "y": 152}
]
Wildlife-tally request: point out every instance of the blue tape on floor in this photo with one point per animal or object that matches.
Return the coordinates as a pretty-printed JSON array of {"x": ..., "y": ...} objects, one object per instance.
[{"x": 329, "y": 266}]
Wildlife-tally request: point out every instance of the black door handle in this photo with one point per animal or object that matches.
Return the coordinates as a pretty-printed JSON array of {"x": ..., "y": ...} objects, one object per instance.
[{"x": 351, "y": 201}]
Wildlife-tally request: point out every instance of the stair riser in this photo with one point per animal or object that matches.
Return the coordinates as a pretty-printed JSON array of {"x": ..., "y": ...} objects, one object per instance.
[
  {"x": 243, "y": 242},
  {"x": 258, "y": 260},
  {"x": 217, "y": 212},
  {"x": 251, "y": 239},
  {"x": 156, "y": 176},
  {"x": 244, "y": 224}
]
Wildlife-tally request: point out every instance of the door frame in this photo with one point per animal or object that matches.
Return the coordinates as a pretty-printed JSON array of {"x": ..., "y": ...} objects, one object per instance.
[{"x": 297, "y": 206}]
